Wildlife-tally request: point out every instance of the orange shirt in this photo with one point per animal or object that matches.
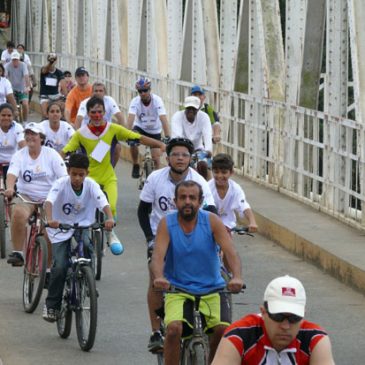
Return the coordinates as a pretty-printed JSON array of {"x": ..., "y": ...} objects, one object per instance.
[{"x": 74, "y": 98}]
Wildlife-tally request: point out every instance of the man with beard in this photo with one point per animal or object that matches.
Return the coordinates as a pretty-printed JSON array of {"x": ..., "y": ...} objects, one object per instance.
[
  {"x": 185, "y": 256},
  {"x": 158, "y": 195}
]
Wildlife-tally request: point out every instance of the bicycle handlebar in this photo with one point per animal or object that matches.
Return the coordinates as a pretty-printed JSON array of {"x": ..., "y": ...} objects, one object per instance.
[
  {"x": 64, "y": 227},
  {"x": 242, "y": 231},
  {"x": 174, "y": 290}
]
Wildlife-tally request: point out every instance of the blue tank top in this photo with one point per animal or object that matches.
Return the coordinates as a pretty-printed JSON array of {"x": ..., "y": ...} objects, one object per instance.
[{"x": 192, "y": 262}]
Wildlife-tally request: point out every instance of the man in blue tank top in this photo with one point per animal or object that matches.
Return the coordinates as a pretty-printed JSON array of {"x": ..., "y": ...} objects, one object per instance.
[{"x": 186, "y": 256}]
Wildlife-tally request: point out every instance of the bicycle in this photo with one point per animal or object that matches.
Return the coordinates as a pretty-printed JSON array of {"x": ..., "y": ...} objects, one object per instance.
[
  {"x": 194, "y": 349},
  {"x": 35, "y": 258},
  {"x": 4, "y": 211},
  {"x": 19, "y": 105},
  {"x": 98, "y": 239},
  {"x": 80, "y": 294},
  {"x": 148, "y": 166}
]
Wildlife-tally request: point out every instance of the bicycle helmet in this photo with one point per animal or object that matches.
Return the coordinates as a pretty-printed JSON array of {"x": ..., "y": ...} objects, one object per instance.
[
  {"x": 143, "y": 83},
  {"x": 180, "y": 142}
]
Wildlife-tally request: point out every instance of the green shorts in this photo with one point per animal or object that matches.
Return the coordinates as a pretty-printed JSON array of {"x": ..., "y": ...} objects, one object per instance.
[
  {"x": 214, "y": 309},
  {"x": 21, "y": 96}
]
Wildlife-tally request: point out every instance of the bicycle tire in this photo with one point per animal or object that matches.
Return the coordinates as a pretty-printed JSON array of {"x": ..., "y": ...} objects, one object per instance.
[
  {"x": 64, "y": 321},
  {"x": 2, "y": 228},
  {"x": 34, "y": 274},
  {"x": 160, "y": 360},
  {"x": 98, "y": 251},
  {"x": 86, "y": 289},
  {"x": 198, "y": 355},
  {"x": 148, "y": 167},
  {"x": 202, "y": 169}
]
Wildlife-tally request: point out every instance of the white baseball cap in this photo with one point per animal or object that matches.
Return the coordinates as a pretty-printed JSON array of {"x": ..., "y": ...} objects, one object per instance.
[
  {"x": 34, "y": 127},
  {"x": 192, "y": 102},
  {"x": 15, "y": 55},
  {"x": 285, "y": 294}
]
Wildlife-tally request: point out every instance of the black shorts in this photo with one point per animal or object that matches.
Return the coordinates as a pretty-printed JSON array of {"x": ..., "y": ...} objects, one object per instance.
[{"x": 144, "y": 133}]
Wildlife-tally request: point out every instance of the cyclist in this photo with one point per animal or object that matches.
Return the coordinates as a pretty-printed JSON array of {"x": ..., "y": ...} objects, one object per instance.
[
  {"x": 185, "y": 256},
  {"x": 57, "y": 131},
  {"x": 146, "y": 115},
  {"x": 70, "y": 83},
  {"x": 25, "y": 58},
  {"x": 207, "y": 108},
  {"x": 72, "y": 199},
  {"x": 79, "y": 92},
  {"x": 6, "y": 91},
  {"x": 6, "y": 53},
  {"x": 229, "y": 197},
  {"x": 195, "y": 125},
  {"x": 97, "y": 140},
  {"x": 52, "y": 84},
  {"x": 18, "y": 75},
  {"x": 279, "y": 335},
  {"x": 111, "y": 107},
  {"x": 11, "y": 135},
  {"x": 158, "y": 196},
  {"x": 33, "y": 168}
]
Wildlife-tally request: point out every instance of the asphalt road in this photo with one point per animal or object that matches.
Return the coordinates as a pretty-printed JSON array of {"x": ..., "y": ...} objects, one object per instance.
[{"x": 123, "y": 325}]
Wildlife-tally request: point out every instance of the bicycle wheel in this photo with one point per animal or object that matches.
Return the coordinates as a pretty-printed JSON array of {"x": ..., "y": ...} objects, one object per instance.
[
  {"x": 2, "y": 228},
  {"x": 98, "y": 252},
  {"x": 160, "y": 358},
  {"x": 86, "y": 311},
  {"x": 198, "y": 356},
  {"x": 34, "y": 273},
  {"x": 64, "y": 320},
  {"x": 148, "y": 167}
]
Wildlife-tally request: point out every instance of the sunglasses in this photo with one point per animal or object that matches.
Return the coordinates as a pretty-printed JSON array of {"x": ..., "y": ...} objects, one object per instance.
[
  {"x": 281, "y": 317},
  {"x": 96, "y": 112},
  {"x": 140, "y": 91}
]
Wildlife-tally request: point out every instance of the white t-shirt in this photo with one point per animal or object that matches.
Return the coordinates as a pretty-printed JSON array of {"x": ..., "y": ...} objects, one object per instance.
[
  {"x": 111, "y": 108},
  {"x": 234, "y": 201},
  {"x": 5, "y": 57},
  {"x": 9, "y": 141},
  {"x": 69, "y": 208},
  {"x": 159, "y": 190},
  {"x": 199, "y": 132},
  {"x": 57, "y": 140},
  {"x": 35, "y": 177},
  {"x": 148, "y": 117},
  {"x": 5, "y": 89}
]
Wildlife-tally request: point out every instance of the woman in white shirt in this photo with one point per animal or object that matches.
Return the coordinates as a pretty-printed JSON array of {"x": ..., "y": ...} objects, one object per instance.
[
  {"x": 34, "y": 168},
  {"x": 58, "y": 132}
]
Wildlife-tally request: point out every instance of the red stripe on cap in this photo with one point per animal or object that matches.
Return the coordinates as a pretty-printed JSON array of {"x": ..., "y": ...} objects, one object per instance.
[{"x": 288, "y": 292}]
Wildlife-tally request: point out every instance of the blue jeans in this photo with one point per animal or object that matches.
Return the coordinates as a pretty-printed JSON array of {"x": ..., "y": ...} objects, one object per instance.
[{"x": 60, "y": 264}]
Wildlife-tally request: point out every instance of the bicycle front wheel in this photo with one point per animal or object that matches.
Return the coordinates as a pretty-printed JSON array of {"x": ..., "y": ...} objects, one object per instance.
[
  {"x": 148, "y": 167},
  {"x": 64, "y": 320},
  {"x": 86, "y": 311},
  {"x": 198, "y": 356},
  {"x": 98, "y": 251},
  {"x": 2, "y": 228},
  {"x": 34, "y": 273}
]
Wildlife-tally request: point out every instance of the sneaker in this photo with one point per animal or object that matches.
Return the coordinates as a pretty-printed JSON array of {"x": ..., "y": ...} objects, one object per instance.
[
  {"x": 50, "y": 314},
  {"x": 135, "y": 171},
  {"x": 46, "y": 282},
  {"x": 156, "y": 342},
  {"x": 16, "y": 259},
  {"x": 115, "y": 245}
]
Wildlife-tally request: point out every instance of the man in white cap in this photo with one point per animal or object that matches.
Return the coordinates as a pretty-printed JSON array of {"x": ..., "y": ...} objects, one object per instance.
[
  {"x": 279, "y": 334},
  {"x": 193, "y": 124}
]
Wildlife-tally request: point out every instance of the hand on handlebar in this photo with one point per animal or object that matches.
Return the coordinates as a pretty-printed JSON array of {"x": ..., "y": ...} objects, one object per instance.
[
  {"x": 9, "y": 193},
  {"x": 252, "y": 228},
  {"x": 235, "y": 285},
  {"x": 53, "y": 224},
  {"x": 161, "y": 283},
  {"x": 109, "y": 224}
]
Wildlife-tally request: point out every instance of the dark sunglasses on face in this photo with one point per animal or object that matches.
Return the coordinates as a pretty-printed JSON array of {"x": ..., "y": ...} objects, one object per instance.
[
  {"x": 140, "y": 91},
  {"x": 281, "y": 317}
]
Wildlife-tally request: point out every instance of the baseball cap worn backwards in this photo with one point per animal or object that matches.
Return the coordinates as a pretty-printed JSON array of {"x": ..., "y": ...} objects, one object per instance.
[
  {"x": 192, "y": 102},
  {"x": 285, "y": 294},
  {"x": 34, "y": 127},
  {"x": 81, "y": 71}
]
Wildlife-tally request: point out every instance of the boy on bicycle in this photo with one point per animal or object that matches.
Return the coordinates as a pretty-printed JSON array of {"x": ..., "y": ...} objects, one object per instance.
[
  {"x": 72, "y": 199},
  {"x": 229, "y": 198}
]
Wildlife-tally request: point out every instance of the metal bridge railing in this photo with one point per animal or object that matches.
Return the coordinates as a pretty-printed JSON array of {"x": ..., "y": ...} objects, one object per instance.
[{"x": 311, "y": 156}]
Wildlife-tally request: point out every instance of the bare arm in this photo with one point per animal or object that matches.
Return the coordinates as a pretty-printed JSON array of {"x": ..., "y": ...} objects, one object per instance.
[
  {"x": 63, "y": 87},
  {"x": 120, "y": 118},
  {"x": 162, "y": 242},
  {"x": 226, "y": 354},
  {"x": 78, "y": 121},
  {"x": 21, "y": 144},
  {"x": 153, "y": 143},
  {"x": 11, "y": 100},
  {"x": 48, "y": 208},
  {"x": 10, "y": 185},
  {"x": 68, "y": 115},
  {"x": 165, "y": 125},
  {"x": 109, "y": 223},
  {"x": 252, "y": 225},
  {"x": 130, "y": 120},
  {"x": 322, "y": 353}
]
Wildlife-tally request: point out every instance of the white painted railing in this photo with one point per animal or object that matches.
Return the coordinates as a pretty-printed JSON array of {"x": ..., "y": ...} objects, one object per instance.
[{"x": 312, "y": 156}]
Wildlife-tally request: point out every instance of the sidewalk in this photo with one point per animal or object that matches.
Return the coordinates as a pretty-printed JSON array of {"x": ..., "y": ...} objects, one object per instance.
[{"x": 314, "y": 236}]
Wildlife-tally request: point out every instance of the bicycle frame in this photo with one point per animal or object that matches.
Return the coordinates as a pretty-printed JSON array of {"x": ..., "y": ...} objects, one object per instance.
[{"x": 4, "y": 212}]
